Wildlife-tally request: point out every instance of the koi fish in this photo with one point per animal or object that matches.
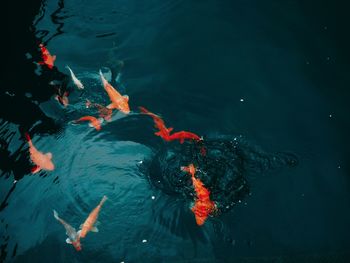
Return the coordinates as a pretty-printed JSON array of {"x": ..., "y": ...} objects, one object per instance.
[
  {"x": 94, "y": 122},
  {"x": 76, "y": 81},
  {"x": 48, "y": 60},
  {"x": 105, "y": 112},
  {"x": 184, "y": 135},
  {"x": 203, "y": 206},
  {"x": 118, "y": 101},
  {"x": 89, "y": 224},
  {"x": 73, "y": 235},
  {"x": 42, "y": 161},
  {"x": 163, "y": 132},
  {"x": 63, "y": 99}
]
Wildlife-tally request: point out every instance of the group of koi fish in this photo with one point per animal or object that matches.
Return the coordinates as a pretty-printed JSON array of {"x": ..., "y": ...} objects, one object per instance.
[{"x": 203, "y": 206}]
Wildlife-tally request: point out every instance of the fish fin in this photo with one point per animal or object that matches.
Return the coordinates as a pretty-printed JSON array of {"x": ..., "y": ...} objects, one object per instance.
[
  {"x": 79, "y": 232},
  {"x": 68, "y": 241},
  {"x": 49, "y": 155},
  {"x": 81, "y": 226},
  {"x": 94, "y": 229},
  {"x": 35, "y": 169},
  {"x": 170, "y": 129},
  {"x": 97, "y": 223},
  {"x": 55, "y": 214},
  {"x": 126, "y": 97},
  {"x": 54, "y": 57},
  {"x": 158, "y": 133},
  {"x": 110, "y": 106}
]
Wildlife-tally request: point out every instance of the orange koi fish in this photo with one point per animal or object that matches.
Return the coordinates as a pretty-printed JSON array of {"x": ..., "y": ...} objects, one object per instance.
[
  {"x": 105, "y": 112},
  {"x": 42, "y": 161},
  {"x": 203, "y": 206},
  {"x": 73, "y": 235},
  {"x": 118, "y": 101},
  {"x": 163, "y": 132},
  {"x": 48, "y": 60},
  {"x": 88, "y": 225},
  {"x": 184, "y": 135},
  {"x": 94, "y": 122}
]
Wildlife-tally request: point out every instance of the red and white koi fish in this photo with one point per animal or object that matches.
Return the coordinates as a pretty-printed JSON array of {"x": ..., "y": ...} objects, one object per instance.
[
  {"x": 105, "y": 112},
  {"x": 48, "y": 59},
  {"x": 94, "y": 122},
  {"x": 42, "y": 161},
  {"x": 73, "y": 235},
  {"x": 203, "y": 206},
  {"x": 89, "y": 224},
  {"x": 76, "y": 81},
  {"x": 118, "y": 101}
]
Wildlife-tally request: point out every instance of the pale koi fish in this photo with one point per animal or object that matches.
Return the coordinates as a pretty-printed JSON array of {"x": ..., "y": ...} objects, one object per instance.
[
  {"x": 73, "y": 235},
  {"x": 76, "y": 81}
]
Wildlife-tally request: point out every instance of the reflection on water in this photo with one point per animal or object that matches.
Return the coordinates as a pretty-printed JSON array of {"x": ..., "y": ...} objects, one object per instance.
[{"x": 209, "y": 67}]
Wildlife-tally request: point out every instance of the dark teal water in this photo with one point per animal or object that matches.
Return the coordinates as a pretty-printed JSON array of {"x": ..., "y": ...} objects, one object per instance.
[{"x": 274, "y": 72}]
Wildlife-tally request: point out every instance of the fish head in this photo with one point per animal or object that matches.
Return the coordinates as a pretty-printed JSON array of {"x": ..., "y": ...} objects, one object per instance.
[{"x": 76, "y": 244}]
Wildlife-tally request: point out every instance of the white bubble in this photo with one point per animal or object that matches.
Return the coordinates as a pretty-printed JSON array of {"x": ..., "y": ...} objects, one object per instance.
[
  {"x": 144, "y": 240},
  {"x": 241, "y": 99},
  {"x": 153, "y": 197}
]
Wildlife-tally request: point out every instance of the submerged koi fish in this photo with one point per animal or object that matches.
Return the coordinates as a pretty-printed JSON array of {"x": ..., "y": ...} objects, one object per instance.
[
  {"x": 203, "y": 206},
  {"x": 73, "y": 235},
  {"x": 42, "y": 161},
  {"x": 89, "y": 224},
  {"x": 63, "y": 99},
  {"x": 118, "y": 101},
  {"x": 184, "y": 135},
  {"x": 105, "y": 112},
  {"x": 94, "y": 122},
  {"x": 76, "y": 81},
  {"x": 163, "y": 132},
  {"x": 48, "y": 59}
]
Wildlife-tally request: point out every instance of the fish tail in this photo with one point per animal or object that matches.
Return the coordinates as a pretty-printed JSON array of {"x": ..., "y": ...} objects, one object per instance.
[
  {"x": 104, "y": 199},
  {"x": 67, "y": 67},
  {"x": 55, "y": 214},
  {"x": 143, "y": 109}
]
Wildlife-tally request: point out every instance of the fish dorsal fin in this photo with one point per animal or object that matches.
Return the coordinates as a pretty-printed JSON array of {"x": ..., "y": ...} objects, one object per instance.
[
  {"x": 126, "y": 97},
  {"x": 68, "y": 241},
  {"x": 94, "y": 229},
  {"x": 49, "y": 155}
]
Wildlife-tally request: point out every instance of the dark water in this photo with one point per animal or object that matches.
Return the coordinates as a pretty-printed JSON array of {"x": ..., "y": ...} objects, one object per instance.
[{"x": 276, "y": 74}]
